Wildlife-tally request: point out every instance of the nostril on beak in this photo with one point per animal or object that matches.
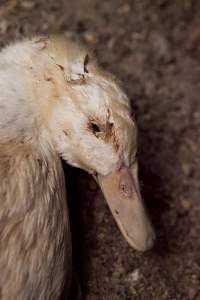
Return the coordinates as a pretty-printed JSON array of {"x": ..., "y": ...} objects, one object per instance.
[{"x": 125, "y": 189}]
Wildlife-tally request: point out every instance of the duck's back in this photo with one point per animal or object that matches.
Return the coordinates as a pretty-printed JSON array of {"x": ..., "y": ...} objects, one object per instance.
[{"x": 34, "y": 229}]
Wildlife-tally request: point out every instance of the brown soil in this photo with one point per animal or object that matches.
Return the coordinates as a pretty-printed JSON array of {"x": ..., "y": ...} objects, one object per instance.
[{"x": 154, "y": 47}]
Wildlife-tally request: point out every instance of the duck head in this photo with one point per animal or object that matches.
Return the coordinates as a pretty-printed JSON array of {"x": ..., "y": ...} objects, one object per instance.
[{"x": 92, "y": 128}]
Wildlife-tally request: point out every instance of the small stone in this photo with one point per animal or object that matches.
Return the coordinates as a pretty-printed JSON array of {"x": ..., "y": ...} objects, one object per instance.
[
  {"x": 192, "y": 293},
  {"x": 185, "y": 203},
  {"x": 188, "y": 4},
  {"x": 186, "y": 168},
  {"x": 111, "y": 43},
  {"x": 124, "y": 9},
  {"x": 135, "y": 275},
  {"x": 28, "y": 5},
  {"x": 100, "y": 217},
  {"x": 101, "y": 236}
]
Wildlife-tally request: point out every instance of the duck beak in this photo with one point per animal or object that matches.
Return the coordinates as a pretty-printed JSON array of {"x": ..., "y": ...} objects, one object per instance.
[{"x": 121, "y": 190}]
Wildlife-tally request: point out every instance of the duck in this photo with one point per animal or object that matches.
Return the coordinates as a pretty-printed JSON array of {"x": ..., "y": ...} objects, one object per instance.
[{"x": 57, "y": 103}]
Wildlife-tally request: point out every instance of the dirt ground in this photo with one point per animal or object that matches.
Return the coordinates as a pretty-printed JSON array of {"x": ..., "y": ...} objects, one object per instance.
[{"x": 154, "y": 48}]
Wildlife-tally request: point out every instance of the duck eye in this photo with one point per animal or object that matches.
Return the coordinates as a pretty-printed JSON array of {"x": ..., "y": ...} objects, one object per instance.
[{"x": 95, "y": 128}]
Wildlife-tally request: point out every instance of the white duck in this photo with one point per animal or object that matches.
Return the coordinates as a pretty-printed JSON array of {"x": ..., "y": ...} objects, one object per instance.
[{"x": 57, "y": 102}]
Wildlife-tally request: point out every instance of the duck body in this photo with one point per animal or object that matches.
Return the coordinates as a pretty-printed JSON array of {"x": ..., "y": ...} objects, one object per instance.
[
  {"x": 35, "y": 241},
  {"x": 56, "y": 102}
]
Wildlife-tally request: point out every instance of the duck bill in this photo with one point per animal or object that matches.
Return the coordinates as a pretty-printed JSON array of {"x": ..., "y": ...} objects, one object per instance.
[{"x": 121, "y": 190}]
